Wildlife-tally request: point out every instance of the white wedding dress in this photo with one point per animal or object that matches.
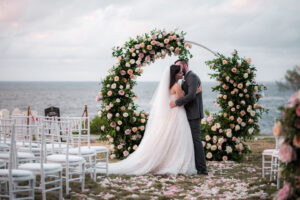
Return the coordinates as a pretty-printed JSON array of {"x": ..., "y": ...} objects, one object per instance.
[{"x": 167, "y": 146}]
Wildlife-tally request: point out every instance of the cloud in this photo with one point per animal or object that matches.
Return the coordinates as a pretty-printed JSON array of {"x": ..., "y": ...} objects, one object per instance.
[{"x": 63, "y": 40}]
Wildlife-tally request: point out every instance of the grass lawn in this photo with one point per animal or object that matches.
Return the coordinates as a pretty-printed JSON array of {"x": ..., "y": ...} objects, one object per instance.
[{"x": 226, "y": 180}]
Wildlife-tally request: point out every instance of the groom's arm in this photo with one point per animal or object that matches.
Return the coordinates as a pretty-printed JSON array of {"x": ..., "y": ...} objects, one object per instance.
[{"x": 191, "y": 95}]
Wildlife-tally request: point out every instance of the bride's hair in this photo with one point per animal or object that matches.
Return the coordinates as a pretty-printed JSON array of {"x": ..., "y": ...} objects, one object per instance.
[{"x": 174, "y": 69}]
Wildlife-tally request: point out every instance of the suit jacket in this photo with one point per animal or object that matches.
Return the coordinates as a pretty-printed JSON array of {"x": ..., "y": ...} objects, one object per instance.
[{"x": 192, "y": 102}]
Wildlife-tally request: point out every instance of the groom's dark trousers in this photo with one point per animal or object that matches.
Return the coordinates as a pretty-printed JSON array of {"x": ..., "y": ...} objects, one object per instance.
[{"x": 193, "y": 105}]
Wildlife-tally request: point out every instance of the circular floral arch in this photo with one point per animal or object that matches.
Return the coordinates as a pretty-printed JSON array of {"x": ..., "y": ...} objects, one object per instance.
[
  {"x": 121, "y": 124},
  {"x": 224, "y": 133}
]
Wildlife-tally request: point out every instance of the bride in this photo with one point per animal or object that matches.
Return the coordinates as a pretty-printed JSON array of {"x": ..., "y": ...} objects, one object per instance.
[{"x": 167, "y": 145}]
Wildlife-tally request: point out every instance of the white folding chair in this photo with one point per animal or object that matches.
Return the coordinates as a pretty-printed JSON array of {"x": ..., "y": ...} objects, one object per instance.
[
  {"x": 267, "y": 155},
  {"x": 74, "y": 165},
  {"x": 20, "y": 182},
  {"x": 50, "y": 173}
]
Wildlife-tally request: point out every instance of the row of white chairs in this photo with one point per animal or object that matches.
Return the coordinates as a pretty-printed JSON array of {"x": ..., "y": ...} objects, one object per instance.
[{"x": 49, "y": 146}]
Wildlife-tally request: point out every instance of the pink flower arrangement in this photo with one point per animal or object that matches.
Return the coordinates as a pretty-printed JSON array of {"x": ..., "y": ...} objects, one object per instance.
[
  {"x": 285, "y": 192},
  {"x": 298, "y": 111},
  {"x": 286, "y": 153}
]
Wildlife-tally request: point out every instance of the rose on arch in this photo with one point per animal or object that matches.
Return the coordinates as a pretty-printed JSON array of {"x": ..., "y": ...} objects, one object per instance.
[{"x": 122, "y": 122}]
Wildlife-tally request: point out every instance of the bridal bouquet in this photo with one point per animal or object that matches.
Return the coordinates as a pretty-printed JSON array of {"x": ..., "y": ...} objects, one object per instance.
[
  {"x": 288, "y": 126},
  {"x": 225, "y": 133}
]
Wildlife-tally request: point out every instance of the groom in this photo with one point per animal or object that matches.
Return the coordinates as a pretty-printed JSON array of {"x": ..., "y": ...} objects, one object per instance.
[{"x": 194, "y": 109}]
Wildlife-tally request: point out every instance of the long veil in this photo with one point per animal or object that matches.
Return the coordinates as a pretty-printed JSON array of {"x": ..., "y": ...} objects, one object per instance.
[{"x": 160, "y": 108}]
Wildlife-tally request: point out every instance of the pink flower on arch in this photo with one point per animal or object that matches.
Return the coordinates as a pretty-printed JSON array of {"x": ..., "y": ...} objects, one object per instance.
[
  {"x": 285, "y": 192},
  {"x": 298, "y": 111},
  {"x": 287, "y": 153}
]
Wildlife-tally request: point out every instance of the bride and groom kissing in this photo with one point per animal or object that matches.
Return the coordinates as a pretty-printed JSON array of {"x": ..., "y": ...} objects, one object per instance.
[{"x": 172, "y": 139}]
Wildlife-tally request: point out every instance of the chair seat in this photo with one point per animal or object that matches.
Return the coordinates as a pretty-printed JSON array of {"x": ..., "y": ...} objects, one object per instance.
[
  {"x": 56, "y": 145},
  {"x": 59, "y": 158},
  {"x": 4, "y": 146},
  {"x": 98, "y": 149},
  {"x": 269, "y": 152},
  {"x": 26, "y": 144},
  {"x": 101, "y": 165},
  {"x": 83, "y": 151},
  {"x": 18, "y": 174},
  {"x": 21, "y": 155},
  {"x": 36, "y": 167}
]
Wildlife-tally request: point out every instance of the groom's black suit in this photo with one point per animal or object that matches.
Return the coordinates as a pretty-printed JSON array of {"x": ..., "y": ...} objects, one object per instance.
[{"x": 193, "y": 105}]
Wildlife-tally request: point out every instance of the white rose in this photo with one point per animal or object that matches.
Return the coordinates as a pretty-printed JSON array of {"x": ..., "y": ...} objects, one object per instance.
[
  {"x": 209, "y": 155},
  {"x": 243, "y": 102},
  {"x": 230, "y": 103},
  {"x": 117, "y": 115},
  {"x": 107, "y": 85},
  {"x": 246, "y": 75},
  {"x": 228, "y": 149},
  {"x": 133, "y": 54},
  {"x": 241, "y": 94},
  {"x": 132, "y": 61},
  {"x": 243, "y": 124},
  {"x": 118, "y": 100},
  {"x": 127, "y": 65},
  {"x": 213, "y": 147},
  {"x": 208, "y": 145},
  {"x": 229, "y": 133},
  {"x": 125, "y": 114},
  {"x": 203, "y": 121},
  {"x": 102, "y": 128},
  {"x": 218, "y": 125},
  {"x": 138, "y": 62},
  {"x": 99, "y": 113},
  {"x": 250, "y": 130},
  {"x": 113, "y": 86},
  {"x": 118, "y": 128},
  {"x": 248, "y": 83},
  {"x": 237, "y": 127},
  {"x": 252, "y": 113}
]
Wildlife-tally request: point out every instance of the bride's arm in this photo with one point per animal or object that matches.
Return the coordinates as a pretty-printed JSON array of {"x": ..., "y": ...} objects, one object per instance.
[{"x": 179, "y": 92}]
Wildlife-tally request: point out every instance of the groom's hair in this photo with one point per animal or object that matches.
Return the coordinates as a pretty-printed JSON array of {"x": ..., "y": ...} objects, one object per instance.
[{"x": 183, "y": 61}]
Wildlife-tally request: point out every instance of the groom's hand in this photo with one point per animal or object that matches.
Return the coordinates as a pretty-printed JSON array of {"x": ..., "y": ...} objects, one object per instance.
[{"x": 172, "y": 104}]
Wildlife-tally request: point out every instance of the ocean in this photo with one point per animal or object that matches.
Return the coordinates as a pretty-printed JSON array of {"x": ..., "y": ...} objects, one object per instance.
[{"x": 70, "y": 98}]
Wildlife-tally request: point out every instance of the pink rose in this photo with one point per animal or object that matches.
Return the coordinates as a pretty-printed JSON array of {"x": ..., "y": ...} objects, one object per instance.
[
  {"x": 141, "y": 55},
  {"x": 120, "y": 146},
  {"x": 209, "y": 118},
  {"x": 127, "y": 131},
  {"x": 137, "y": 46},
  {"x": 125, "y": 153},
  {"x": 220, "y": 130},
  {"x": 287, "y": 153},
  {"x": 147, "y": 59},
  {"x": 298, "y": 111},
  {"x": 97, "y": 98},
  {"x": 285, "y": 192},
  {"x": 294, "y": 100},
  {"x": 121, "y": 92},
  {"x": 123, "y": 72},
  {"x": 135, "y": 147},
  {"x": 225, "y": 158}
]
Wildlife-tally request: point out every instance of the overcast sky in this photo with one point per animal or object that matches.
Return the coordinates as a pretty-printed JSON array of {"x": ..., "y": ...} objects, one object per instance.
[{"x": 71, "y": 40}]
